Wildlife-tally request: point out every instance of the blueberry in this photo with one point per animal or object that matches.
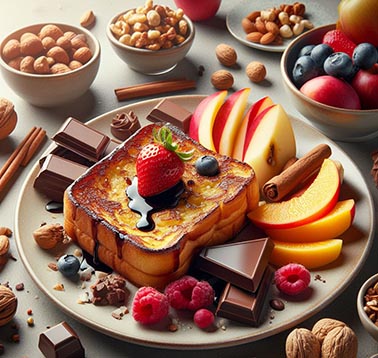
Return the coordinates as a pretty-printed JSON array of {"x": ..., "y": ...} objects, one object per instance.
[
  {"x": 305, "y": 69},
  {"x": 207, "y": 165},
  {"x": 320, "y": 52},
  {"x": 306, "y": 50},
  {"x": 365, "y": 55},
  {"x": 68, "y": 265},
  {"x": 338, "y": 64}
]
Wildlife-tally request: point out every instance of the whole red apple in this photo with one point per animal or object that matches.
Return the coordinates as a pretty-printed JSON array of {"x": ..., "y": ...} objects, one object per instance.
[
  {"x": 331, "y": 91},
  {"x": 199, "y": 10},
  {"x": 365, "y": 83},
  {"x": 358, "y": 20}
]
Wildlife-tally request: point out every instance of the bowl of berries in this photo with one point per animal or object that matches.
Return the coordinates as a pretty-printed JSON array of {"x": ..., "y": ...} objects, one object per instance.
[{"x": 332, "y": 81}]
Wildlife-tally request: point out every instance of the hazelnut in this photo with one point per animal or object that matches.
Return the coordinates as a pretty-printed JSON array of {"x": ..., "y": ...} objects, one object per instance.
[
  {"x": 73, "y": 65},
  {"x": 226, "y": 55},
  {"x": 11, "y": 50},
  {"x": 30, "y": 44},
  {"x": 222, "y": 79},
  {"x": 41, "y": 65},
  {"x": 27, "y": 64},
  {"x": 59, "y": 68},
  {"x": 16, "y": 63},
  {"x": 50, "y": 30},
  {"x": 256, "y": 71},
  {"x": 48, "y": 42}
]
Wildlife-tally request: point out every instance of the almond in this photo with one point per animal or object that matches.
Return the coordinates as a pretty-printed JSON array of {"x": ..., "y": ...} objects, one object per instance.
[
  {"x": 253, "y": 15},
  {"x": 272, "y": 27},
  {"x": 248, "y": 26},
  {"x": 267, "y": 38},
  {"x": 254, "y": 36},
  {"x": 260, "y": 26},
  {"x": 88, "y": 19}
]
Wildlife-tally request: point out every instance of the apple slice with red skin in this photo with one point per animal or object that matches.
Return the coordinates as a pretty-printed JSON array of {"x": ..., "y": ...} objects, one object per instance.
[
  {"x": 244, "y": 131},
  {"x": 270, "y": 143},
  {"x": 318, "y": 200},
  {"x": 228, "y": 120},
  {"x": 203, "y": 117}
]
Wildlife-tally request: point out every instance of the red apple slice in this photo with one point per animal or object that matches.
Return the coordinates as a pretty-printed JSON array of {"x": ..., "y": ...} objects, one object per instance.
[
  {"x": 270, "y": 143},
  {"x": 241, "y": 138},
  {"x": 318, "y": 200},
  {"x": 330, "y": 226},
  {"x": 228, "y": 120},
  {"x": 202, "y": 121}
]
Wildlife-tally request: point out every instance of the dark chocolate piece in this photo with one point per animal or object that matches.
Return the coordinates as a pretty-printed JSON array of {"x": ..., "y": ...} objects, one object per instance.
[
  {"x": 242, "y": 263},
  {"x": 124, "y": 125},
  {"x": 242, "y": 306},
  {"x": 61, "y": 341},
  {"x": 55, "y": 175},
  {"x": 81, "y": 139},
  {"x": 167, "y": 111}
]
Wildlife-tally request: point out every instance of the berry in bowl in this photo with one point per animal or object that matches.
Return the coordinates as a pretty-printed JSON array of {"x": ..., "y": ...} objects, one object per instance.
[
  {"x": 151, "y": 39},
  {"x": 332, "y": 82}
]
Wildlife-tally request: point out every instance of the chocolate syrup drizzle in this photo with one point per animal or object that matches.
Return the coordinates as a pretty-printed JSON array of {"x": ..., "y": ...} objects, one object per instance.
[{"x": 147, "y": 206}]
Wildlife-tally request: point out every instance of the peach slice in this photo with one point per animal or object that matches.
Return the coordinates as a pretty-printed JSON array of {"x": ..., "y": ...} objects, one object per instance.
[
  {"x": 330, "y": 226},
  {"x": 310, "y": 254},
  {"x": 270, "y": 143},
  {"x": 228, "y": 120},
  {"x": 318, "y": 200},
  {"x": 242, "y": 138},
  {"x": 202, "y": 121}
]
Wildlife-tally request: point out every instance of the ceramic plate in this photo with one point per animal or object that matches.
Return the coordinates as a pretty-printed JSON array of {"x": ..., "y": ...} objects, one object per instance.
[
  {"x": 318, "y": 12},
  {"x": 31, "y": 213}
]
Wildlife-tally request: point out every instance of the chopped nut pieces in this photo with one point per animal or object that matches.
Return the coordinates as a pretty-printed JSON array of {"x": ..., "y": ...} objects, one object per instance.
[
  {"x": 270, "y": 26},
  {"x": 152, "y": 27},
  {"x": 110, "y": 290},
  {"x": 49, "y": 235},
  {"x": 50, "y": 51},
  {"x": 371, "y": 303}
]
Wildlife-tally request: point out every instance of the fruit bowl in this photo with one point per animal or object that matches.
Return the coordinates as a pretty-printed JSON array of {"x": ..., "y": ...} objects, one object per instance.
[
  {"x": 52, "y": 89},
  {"x": 143, "y": 60},
  {"x": 340, "y": 124},
  {"x": 366, "y": 322}
]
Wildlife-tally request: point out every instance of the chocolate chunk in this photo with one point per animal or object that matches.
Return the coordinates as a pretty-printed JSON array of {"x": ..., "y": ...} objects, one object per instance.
[
  {"x": 61, "y": 341},
  {"x": 241, "y": 263},
  {"x": 124, "y": 125},
  {"x": 55, "y": 175},
  {"x": 167, "y": 111},
  {"x": 81, "y": 139},
  {"x": 110, "y": 290},
  {"x": 242, "y": 306}
]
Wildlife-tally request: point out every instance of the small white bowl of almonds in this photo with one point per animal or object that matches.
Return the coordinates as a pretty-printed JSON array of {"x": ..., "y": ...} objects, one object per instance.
[
  {"x": 367, "y": 305},
  {"x": 49, "y": 64},
  {"x": 151, "y": 39}
]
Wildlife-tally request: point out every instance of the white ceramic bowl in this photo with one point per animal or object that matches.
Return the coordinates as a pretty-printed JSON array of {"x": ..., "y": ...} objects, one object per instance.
[
  {"x": 147, "y": 61},
  {"x": 336, "y": 123},
  {"x": 50, "y": 90},
  {"x": 366, "y": 322}
]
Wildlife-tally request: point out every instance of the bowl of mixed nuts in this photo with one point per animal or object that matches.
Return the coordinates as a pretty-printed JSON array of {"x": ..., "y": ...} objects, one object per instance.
[
  {"x": 151, "y": 39},
  {"x": 49, "y": 64},
  {"x": 367, "y": 305}
]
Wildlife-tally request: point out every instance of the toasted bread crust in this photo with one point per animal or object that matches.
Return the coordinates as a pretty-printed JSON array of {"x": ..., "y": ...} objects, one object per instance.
[{"x": 211, "y": 210}]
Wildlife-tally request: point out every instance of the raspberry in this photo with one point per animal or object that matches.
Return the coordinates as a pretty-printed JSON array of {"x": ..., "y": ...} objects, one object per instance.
[
  {"x": 149, "y": 305},
  {"x": 203, "y": 318},
  {"x": 339, "y": 42},
  {"x": 292, "y": 279},
  {"x": 189, "y": 293}
]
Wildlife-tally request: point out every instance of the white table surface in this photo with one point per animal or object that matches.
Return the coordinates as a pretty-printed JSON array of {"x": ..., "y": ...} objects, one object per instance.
[{"x": 100, "y": 99}]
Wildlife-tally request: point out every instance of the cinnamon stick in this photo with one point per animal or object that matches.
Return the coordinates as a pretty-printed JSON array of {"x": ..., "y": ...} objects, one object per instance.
[
  {"x": 22, "y": 154},
  {"x": 289, "y": 179},
  {"x": 152, "y": 88}
]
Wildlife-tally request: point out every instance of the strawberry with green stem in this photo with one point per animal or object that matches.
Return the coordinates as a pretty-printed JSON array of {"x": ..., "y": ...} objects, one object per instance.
[{"x": 160, "y": 165}]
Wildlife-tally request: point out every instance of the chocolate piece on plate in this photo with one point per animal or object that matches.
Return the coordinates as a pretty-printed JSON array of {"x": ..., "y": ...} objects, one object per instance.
[
  {"x": 241, "y": 263},
  {"x": 124, "y": 125},
  {"x": 242, "y": 306},
  {"x": 167, "y": 111},
  {"x": 55, "y": 175},
  {"x": 82, "y": 140},
  {"x": 61, "y": 341}
]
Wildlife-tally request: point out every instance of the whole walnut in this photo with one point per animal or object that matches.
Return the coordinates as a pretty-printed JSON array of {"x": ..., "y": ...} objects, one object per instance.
[
  {"x": 340, "y": 342},
  {"x": 302, "y": 343},
  {"x": 322, "y": 327}
]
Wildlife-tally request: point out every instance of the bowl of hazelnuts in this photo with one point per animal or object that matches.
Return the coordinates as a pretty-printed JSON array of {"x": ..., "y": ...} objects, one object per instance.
[{"x": 49, "y": 64}]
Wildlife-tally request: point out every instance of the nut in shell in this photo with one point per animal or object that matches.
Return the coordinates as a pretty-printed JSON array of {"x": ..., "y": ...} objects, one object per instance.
[
  {"x": 340, "y": 342},
  {"x": 226, "y": 55},
  {"x": 8, "y": 305},
  {"x": 88, "y": 19},
  {"x": 322, "y": 327},
  {"x": 256, "y": 71},
  {"x": 4, "y": 245},
  {"x": 302, "y": 343},
  {"x": 49, "y": 235},
  {"x": 222, "y": 79}
]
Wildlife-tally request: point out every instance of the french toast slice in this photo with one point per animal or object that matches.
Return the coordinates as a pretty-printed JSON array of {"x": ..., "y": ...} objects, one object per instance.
[{"x": 210, "y": 211}]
